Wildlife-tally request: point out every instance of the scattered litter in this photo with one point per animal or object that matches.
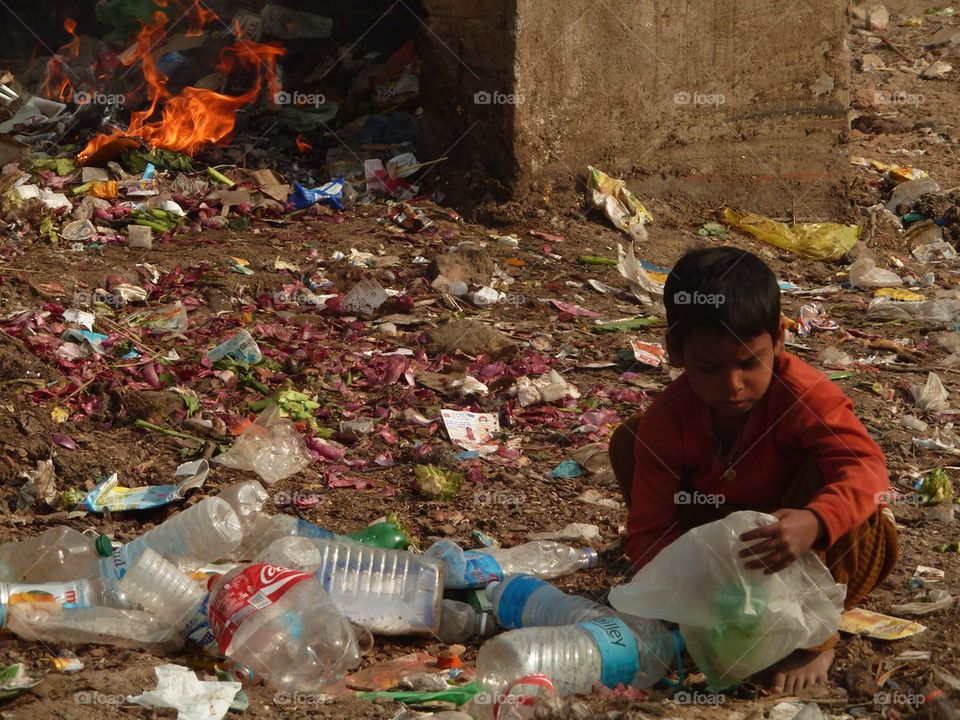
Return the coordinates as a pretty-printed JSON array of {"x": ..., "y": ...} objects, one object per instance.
[
  {"x": 620, "y": 205},
  {"x": 471, "y": 431},
  {"x": 108, "y": 495},
  {"x": 270, "y": 446},
  {"x": 860, "y": 621},
  {"x": 548, "y": 388},
  {"x": 193, "y": 699},
  {"x": 817, "y": 241}
]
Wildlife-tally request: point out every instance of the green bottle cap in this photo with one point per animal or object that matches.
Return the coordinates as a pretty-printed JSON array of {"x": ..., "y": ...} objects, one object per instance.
[{"x": 103, "y": 546}]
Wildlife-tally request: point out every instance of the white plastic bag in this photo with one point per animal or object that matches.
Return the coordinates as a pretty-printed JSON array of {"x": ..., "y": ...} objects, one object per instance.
[
  {"x": 270, "y": 447},
  {"x": 735, "y": 621},
  {"x": 864, "y": 273}
]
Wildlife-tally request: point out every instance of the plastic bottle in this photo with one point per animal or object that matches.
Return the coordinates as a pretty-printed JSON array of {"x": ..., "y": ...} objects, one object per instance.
[
  {"x": 57, "y": 625},
  {"x": 76, "y": 593},
  {"x": 478, "y": 568},
  {"x": 262, "y": 529},
  {"x": 59, "y": 554},
  {"x": 389, "y": 592},
  {"x": 574, "y": 657},
  {"x": 247, "y": 499},
  {"x": 460, "y": 621},
  {"x": 160, "y": 588},
  {"x": 526, "y": 601},
  {"x": 206, "y": 531},
  {"x": 280, "y": 624}
]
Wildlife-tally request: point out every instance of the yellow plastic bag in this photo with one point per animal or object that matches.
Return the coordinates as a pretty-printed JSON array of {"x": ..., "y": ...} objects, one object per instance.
[
  {"x": 621, "y": 206},
  {"x": 817, "y": 241},
  {"x": 899, "y": 294}
]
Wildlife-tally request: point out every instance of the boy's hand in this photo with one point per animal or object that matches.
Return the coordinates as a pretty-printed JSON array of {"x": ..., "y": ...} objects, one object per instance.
[{"x": 784, "y": 541}]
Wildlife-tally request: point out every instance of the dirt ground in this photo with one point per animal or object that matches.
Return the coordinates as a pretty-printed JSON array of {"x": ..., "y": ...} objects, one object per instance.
[{"x": 508, "y": 497}]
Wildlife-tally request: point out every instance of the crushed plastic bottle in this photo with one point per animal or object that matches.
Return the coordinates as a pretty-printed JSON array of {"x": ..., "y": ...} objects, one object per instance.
[
  {"x": 545, "y": 559},
  {"x": 389, "y": 592},
  {"x": 280, "y": 625},
  {"x": 263, "y": 529},
  {"x": 76, "y": 593}
]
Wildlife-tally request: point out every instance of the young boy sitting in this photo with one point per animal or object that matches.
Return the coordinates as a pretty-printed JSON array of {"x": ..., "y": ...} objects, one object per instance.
[{"x": 749, "y": 426}]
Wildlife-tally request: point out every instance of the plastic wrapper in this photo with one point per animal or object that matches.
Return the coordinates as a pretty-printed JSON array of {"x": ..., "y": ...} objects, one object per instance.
[
  {"x": 620, "y": 205},
  {"x": 330, "y": 193},
  {"x": 817, "y": 241},
  {"x": 864, "y": 273},
  {"x": 240, "y": 347},
  {"x": 735, "y": 621},
  {"x": 270, "y": 447},
  {"x": 937, "y": 312},
  {"x": 108, "y": 495},
  {"x": 931, "y": 396}
]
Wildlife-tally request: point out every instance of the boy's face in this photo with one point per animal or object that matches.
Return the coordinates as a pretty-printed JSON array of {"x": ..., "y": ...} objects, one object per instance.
[{"x": 728, "y": 374}]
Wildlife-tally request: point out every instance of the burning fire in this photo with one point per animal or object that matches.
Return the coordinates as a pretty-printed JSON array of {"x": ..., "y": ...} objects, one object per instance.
[
  {"x": 73, "y": 47},
  {"x": 302, "y": 145},
  {"x": 197, "y": 116},
  {"x": 56, "y": 84}
]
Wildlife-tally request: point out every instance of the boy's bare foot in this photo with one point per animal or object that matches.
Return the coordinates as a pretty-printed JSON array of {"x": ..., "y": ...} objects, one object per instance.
[{"x": 799, "y": 670}]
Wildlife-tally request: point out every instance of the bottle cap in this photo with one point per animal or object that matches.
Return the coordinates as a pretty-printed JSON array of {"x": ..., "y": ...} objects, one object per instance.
[
  {"x": 591, "y": 557},
  {"x": 103, "y": 546}
]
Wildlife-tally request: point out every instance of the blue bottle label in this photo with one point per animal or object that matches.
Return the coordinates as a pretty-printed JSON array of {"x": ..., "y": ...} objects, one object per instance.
[
  {"x": 198, "y": 629},
  {"x": 309, "y": 530},
  {"x": 482, "y": 569},
  {"x": 514, "y": 598},
  {"x": 619, "y": 653},
  {"x": 114, "y": 568}
]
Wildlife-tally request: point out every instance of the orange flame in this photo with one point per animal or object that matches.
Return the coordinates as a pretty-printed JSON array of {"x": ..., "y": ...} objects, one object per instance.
[
  {"x": 73, "y": 47},
  {"x": 198, "y": 17},
  {"x": 56, "y": 84},
  {"x": 302, "y": 145},
  {"x": 197, "y": 116}
]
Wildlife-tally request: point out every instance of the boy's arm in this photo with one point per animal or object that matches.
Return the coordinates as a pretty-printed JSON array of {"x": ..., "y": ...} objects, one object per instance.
[
  {"x": 852, "y": 464},
  {"x": 651, "y": 522}
]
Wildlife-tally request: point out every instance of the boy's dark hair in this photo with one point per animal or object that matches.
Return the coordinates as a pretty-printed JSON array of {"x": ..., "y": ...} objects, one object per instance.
[{"x": 724, "y": 289}]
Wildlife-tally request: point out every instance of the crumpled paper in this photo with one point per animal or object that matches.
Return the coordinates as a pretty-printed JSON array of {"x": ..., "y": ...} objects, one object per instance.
[{"x": 179, "y": 688}]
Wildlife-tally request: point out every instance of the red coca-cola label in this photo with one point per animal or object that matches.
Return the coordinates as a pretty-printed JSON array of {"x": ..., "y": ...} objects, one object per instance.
[{"x": 256, "y": 587}]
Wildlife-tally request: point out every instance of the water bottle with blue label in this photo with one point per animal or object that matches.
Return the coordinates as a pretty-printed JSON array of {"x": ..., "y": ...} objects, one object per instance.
[
  {"x": 574, "y": 657},
  {"x": 545, "y": 559}
]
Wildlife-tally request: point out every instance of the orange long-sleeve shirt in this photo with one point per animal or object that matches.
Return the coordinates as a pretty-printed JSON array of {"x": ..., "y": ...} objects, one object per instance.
[{"x": 802, "y": 415}]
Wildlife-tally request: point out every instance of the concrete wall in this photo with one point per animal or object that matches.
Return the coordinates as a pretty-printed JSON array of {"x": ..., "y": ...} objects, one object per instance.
[{"x": 703, "y": 101}]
